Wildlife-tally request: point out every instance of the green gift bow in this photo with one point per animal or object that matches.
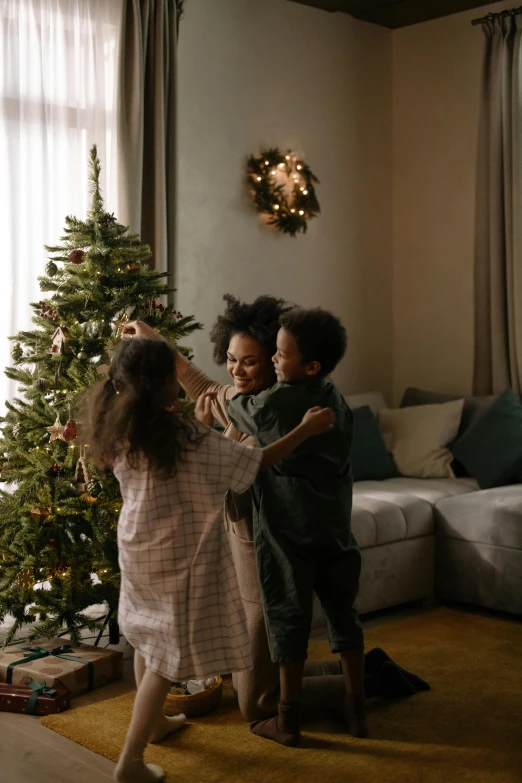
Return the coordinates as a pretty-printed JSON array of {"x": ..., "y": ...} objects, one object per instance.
[
  {"x": 39, "y": 689},
  {"x": 59, "y": 652}
]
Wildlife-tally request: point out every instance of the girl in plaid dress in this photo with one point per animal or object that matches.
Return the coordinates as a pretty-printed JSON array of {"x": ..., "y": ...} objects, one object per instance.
[{"x": 180, "y": 606}]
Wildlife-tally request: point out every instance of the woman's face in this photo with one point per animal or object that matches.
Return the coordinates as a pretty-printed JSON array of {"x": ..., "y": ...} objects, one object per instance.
[{"x": 249, "y": 365}]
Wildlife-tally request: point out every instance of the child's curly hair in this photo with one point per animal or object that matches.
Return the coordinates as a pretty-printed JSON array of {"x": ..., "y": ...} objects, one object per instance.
[
  {"x": 132, "y": 410},
  {"x": 259, "y": 320},
  {"x": 319, "y": 336}
]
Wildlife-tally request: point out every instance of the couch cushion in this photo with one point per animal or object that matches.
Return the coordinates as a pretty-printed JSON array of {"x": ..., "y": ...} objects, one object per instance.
[
  {"x": 417, "y": 437},
  {"x": 493, "y": 516},
  {"x": 431, "y": 490},
  {"x": 385, "y": 518},
  {"x": 370, "y": 458},
  {"x": 375, "y": 400},
  {"x": 474, "y": 407},
  {"x": 491, "y": 450}
]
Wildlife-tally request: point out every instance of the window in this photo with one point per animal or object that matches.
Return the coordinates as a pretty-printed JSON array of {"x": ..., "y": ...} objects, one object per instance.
[{"x": 58, "y": 72}]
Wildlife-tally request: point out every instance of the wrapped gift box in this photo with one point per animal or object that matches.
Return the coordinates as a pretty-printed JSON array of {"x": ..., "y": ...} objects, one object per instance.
[
  {"x": 79, "y": 669},
  {"x": 34, "y": 699}
]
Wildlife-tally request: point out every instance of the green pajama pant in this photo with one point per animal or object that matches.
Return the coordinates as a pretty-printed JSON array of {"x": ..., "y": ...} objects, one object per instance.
[{"x": 289, "y": 574}]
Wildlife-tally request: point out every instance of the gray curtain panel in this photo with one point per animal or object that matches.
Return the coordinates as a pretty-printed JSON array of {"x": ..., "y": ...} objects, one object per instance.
[
  {"x": 146, "y": 119},
  {"x": 498, "y": 231}
]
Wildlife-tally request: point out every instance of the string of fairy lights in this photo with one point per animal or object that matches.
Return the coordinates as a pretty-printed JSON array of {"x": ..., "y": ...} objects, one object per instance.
[{"x": 283, "y": 189}]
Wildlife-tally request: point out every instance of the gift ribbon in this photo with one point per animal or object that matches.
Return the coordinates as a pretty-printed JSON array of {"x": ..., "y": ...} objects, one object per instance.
[
  {"x": 35, "y": 653},
  {"x": 39, "y": 689}
]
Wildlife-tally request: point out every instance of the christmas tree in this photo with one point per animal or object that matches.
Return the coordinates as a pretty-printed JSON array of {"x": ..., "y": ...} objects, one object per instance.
[{"x": 58, "y": 520}]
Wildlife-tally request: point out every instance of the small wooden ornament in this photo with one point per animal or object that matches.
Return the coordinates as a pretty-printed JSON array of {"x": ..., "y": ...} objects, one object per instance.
[
  {"x": 81, "y": 473},
  {"x": 39, "y": 514},
  {"x": 59, "y": 342},
  {"x": 25, "y": 578}
]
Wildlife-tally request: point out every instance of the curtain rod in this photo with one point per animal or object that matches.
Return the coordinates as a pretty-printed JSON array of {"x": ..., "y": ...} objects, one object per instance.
[{"x": 511, "y": 12}]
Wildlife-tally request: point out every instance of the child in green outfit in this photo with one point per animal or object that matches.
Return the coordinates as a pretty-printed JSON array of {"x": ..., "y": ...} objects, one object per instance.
[{"x": 302, "y": 513}]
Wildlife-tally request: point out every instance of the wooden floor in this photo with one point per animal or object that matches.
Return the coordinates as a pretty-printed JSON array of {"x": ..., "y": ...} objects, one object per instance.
[{"x": 30, "y": 753}]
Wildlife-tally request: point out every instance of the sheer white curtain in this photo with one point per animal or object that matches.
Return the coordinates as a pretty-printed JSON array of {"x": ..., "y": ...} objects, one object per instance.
[{"x": 58, "y": 63}]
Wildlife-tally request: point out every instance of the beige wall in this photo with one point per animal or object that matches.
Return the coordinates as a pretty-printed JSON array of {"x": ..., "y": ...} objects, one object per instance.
[
  {"x": 437, "y": 73},
  {"x": 257, "y": 73}
]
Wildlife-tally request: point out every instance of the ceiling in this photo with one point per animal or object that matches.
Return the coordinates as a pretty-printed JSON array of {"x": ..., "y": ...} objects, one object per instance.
[{"x": 396, "y": 13}]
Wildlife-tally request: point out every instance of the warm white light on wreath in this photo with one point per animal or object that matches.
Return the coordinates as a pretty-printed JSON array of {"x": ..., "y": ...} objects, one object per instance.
[{"x": 271, "y": 175}]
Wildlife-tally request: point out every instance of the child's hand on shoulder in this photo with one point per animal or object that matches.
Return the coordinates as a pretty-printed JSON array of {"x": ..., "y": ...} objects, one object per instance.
[
  {"x": 318, "y": 420},
  {"x": 203, "y": 411}
]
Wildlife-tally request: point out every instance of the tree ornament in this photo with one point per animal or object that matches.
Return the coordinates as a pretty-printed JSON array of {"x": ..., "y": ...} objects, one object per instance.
[
  {"x": 70, "y": 431},
  {"x": 17, "y": 429},
  {"x": 25, "y": 578},
  {"x": 87, "y": 498},
  {"x": 76, "y": 256},
  {"x": 56, "y": 430},
  {"x": 52, "y": 543},
  {"x": 39, "y": 514},
  {"x": 283, "y": 190},
  {"x": 41, "y": 384},
  {"x": 82, "y": 355},
  {"x": 81, "y": 473},
  {"x": 59, "y": 342},
  {"x": 94, "y": 488},
  {"x": 55, "y": 469},
  {"x": 51, "y": 268},
  {"x": 47, "y": 312},
  {"x": 16, "y": 352}
]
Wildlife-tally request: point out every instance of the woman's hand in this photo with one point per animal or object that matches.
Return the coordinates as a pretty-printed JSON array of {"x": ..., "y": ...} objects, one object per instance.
[
  {"x": 318, "y": 420},
  {"x": 139, "y": 329},
  {"x": 203, "y": 412}
]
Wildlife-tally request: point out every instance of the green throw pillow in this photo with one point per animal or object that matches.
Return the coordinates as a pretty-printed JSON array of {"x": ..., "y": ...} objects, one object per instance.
[
  {"x": 491, "y": 450},
  {"x": 370, "y": 459}
]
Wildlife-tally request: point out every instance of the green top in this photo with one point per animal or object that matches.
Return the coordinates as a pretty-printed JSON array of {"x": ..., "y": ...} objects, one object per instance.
[{"x": 307, "y": 496}]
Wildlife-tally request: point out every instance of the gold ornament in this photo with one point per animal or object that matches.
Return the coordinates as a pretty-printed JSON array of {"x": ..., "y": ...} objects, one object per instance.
[
  {"x": 120, "y": 323},
  {"x": 56, "y": 430},
  {"x": 39, "y": 514},
  {"x": 87, "y": 498}
]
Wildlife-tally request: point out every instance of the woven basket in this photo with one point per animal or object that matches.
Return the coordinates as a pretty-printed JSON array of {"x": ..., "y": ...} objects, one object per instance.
[{"x": 195, "y": 703}]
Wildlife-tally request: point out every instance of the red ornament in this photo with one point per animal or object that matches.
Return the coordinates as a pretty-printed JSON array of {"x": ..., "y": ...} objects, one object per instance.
[
  {"x": 76, "y": 256},
  {"x": 70, "y": 431}
]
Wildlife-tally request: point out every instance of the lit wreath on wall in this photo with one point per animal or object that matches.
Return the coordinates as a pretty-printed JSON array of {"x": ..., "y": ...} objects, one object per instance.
[{"x": 283, "y": 189}]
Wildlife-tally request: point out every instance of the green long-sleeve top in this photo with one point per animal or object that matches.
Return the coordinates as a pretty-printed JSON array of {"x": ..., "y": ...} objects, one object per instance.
[{"x": 307, "y": 497}]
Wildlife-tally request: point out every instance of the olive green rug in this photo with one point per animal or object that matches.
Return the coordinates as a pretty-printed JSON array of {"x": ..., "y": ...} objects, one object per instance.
[{"x": 466, "y": 729}]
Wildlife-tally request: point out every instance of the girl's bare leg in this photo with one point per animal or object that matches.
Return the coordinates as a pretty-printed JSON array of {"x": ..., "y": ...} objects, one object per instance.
[{"x": 164, "y": 725}]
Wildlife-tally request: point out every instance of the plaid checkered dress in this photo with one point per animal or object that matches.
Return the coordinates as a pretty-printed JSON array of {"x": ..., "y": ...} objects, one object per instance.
[{"x": 180, "y": 604}]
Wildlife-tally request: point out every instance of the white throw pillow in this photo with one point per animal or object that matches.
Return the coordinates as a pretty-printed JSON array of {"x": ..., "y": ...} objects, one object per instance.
[{"x": 417, "y": 437}]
